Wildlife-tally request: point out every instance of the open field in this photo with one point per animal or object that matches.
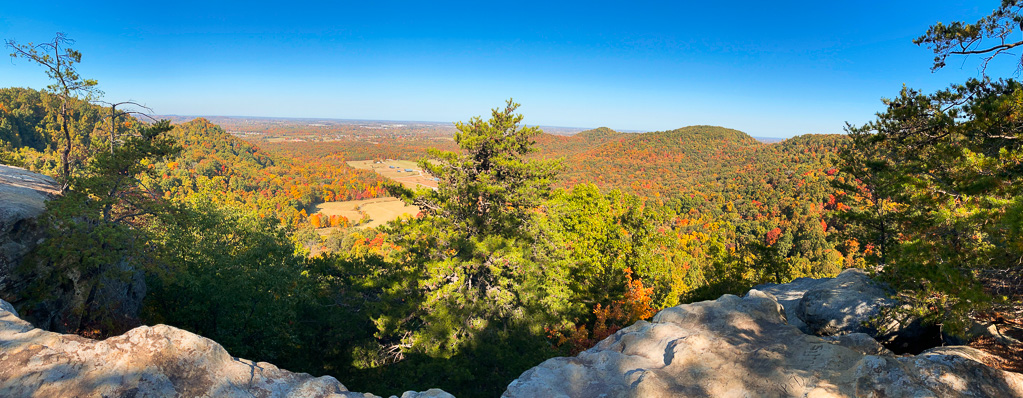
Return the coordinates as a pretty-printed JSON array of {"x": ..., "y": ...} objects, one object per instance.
[
  {"x": 396, "y": 170},
  {"x": 379, "y": 210}
]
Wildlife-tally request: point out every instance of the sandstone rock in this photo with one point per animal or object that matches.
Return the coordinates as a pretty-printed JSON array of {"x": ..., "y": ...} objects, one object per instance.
[
  {"x": 431, "y": 393},
  {"x": 992, "y": 331},
  {"x": 789, "y": 294},
  {"x": 860, "y": 342},
  {"x": 852, "y": 303},
  {"x": 843, "y": 304},
  {"x": 158, "y": 361},
  {"x": 23, "y": 196},
  {"x": 5, "y": 306},
  {"x": 744, "y": 347},
  {"x": 846, "y": 304}
]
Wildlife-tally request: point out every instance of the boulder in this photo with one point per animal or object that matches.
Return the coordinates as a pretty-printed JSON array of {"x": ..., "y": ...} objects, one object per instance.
[
  {"x": 789, "y": 294},
  {"x": 843, "y": 304},
  {"x": 992, "y": 331},
  {"x": 157, "y": 361},
  {"x": 859, "y": 342},
  {"x": 852, "y": 302},
  {"x": 5, "y": 306},
  {"x": 736, "y": 346},
  {"x": 849, "y": 303},
  {"x": 23, "y": 196}
]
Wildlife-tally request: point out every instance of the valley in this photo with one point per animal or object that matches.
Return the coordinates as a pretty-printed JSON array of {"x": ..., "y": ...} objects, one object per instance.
[
  {"x": 617, "y": 225},
  {"x": 520, "y": 259}
]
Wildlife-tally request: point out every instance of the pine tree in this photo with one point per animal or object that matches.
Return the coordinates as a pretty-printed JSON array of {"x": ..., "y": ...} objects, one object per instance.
[
  {"x": 470, "y": 248},
  {"x": 945, "y": 186},
  {"x": 59, "y": 61}
]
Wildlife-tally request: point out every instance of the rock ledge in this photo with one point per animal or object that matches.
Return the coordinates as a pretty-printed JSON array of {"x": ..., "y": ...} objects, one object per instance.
[
  {"x": 156, "y": 361},
  {"x": 23, "y": 196},
  {"x": 736, "y": 346}
]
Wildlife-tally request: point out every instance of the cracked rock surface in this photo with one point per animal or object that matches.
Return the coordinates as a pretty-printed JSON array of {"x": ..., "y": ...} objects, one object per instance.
[{"x": 744, "y": 346}]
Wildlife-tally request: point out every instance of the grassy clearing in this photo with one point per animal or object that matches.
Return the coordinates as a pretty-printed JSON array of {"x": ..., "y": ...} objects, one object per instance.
[
  {"x": 396, "y": 170},
  {"x": 379, "y": 210}
]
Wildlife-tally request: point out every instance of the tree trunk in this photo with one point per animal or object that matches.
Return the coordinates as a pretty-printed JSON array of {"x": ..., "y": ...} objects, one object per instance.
[
  {"x": 65, "y": 153},
  {"x": 113, "y": 127}
]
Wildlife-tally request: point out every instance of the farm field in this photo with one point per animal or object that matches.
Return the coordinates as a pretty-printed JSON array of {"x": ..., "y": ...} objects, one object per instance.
[
  {"x": 379, "y": 211},
  {"x": 396, "y": 170}
]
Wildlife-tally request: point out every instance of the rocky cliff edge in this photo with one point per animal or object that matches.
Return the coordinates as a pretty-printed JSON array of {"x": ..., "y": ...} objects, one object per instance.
[
  {"x": 23, "y": 196},
  {"x": 767, "y": 343},
  {"x": 156, "y": 361},
  {"x": 745, "y": 347}
]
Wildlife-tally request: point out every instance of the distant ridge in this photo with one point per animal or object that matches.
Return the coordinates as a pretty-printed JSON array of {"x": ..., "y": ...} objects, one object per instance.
[
  {"x": 676, "y": 163},
  {"x": 598, "y": 133},
  {"x": 692, "y": 137},
  {"x": 234, "y": 120},
  {"x": 569, "y": 145}
]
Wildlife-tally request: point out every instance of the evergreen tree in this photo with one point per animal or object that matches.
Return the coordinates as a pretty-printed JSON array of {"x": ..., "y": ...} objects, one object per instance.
[
  {"x": 93, "y": 240},
  {"x": 988, "y": 37},
  {"x": 474, "y": 291},
  {"x": 945, "y": 171},
  {"x": 489, "y": 188},
  {"x": 59, "y": 61}
]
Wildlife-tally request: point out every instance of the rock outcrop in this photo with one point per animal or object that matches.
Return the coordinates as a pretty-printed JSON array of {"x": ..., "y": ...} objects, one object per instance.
[
  {"x": 843, "y": 305},
  {"x": 737, "y": 347},
  {"x": 851, "y": 303},
  {"x": 789, "y": 295},
  {"x": 807, "y": 338},
  {"x": 157, "y": 361},
  {"x": 118, "y": 294},
  {"x": 23, "y": 196},
  {"x": 832, "y": 306}
]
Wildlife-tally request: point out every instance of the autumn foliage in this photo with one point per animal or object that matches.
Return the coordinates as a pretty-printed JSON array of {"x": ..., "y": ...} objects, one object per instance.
[{"x": 635, "y": 304}]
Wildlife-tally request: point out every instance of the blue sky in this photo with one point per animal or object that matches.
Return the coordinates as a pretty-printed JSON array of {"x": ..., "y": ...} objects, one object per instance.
[{"x": 773, "y": 70}]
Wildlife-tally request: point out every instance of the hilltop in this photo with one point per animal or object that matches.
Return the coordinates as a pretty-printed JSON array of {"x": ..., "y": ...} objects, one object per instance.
[
  {"x": 599, "y": 132},
  {"x": 555, "y": 146},
  {"x": 682, "y": 162}
]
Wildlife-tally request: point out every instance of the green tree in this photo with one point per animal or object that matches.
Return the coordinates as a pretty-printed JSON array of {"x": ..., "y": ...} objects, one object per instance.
[
  {"x": 472, "y": 237},
  {"x": 951, "y": 162},
  {"x": 227, "y": 275},
  {"x": 59, "y": 61},
  {"x": 874, "y": 216},
  {"x": 938, "y": 177},
  {"x": 475, "y": 294},
  {"x": 489, "y": 188},
  {"x": 93, "y": 245}
]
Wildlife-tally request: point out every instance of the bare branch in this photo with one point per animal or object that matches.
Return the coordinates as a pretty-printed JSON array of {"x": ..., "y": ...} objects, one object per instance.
[{"x": 998, "y": 48}]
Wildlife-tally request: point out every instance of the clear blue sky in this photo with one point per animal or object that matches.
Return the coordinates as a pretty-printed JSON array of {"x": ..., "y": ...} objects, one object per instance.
[{"x": 768, "y": 68}]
